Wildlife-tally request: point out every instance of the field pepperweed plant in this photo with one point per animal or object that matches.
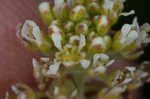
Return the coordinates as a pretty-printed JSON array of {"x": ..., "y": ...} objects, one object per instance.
[{"x": 79, "y": 48}]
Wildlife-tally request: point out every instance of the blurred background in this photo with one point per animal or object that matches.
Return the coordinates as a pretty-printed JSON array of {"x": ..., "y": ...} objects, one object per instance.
[{"x": 16, "y": 61}]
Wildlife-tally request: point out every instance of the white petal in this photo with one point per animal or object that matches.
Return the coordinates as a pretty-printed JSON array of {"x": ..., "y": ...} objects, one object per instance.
[
  {"x": 125, "y": 29},
  {"x": 104, "y": 20},
  {"x": 132, "y": 36},
  {"x": 146, "y": 27},
  {"x": 44, "y": 7},
  {"x": 44, "y": 59},
  {"x": 36, "y": 68},
  {"x": 82, "y": 41},
  {"x": 127, "y": 80},
  {"x": 100, "y": 69},
  {"x": 15, "y": 89},
  {"x": 110, "y": 63},
  {"x": 58, "y": 5},
  {"x": 26, "y": 31},
  {"x": 108, "y": 4},
  {"x": 102, "y": 57},
  {"x": 56, "y": 90},
  {"x": 128, "y": 13},
  {"x": 78, "y": 8},
  {"x": 74, "y": 93},
  {"x": 56, "y": 38},
  {"x": 74, "y": 38},
  {"x": 85, "y": 63},
  {"x": 118, "y": 90},
  {"x": 53, "y": 69},
  {"x": 68, "y": 64},
  {"x": 21, "y": 96}
]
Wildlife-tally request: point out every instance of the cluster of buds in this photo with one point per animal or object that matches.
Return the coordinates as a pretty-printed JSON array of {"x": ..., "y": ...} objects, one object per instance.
[{"x": 79, "y": 48}]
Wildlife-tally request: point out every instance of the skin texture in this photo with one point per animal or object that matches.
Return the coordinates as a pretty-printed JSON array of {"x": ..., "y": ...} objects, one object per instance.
[{"x": 15, "y": 60}]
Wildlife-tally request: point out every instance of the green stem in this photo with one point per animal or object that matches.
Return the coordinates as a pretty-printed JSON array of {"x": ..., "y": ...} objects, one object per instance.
[
  {"x": 78, "y": 80},
  {"x": 40, "y": 95}
]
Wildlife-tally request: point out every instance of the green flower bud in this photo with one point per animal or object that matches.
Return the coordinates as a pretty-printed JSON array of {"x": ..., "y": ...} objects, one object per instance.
[
  {"x": 112, "y": 9},
  {"x": 108, "y": 41},
  {"x": 81, "y": 28},
  {"x": 102, "y": 24},
  {"x": 77, "y": 2},
  {"x": 75, "y": 39},
  {"x": 45, "y": 12},
  {"x": 65, "y": 11},
  {"x": 57, "y": 22},
  {"x": 99, "y": 44},
  {"x": 93, "y": 8},
  {"x": 78, "y": 13}
]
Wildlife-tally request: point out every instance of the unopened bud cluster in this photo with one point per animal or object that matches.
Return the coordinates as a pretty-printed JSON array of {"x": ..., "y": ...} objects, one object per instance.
[{"x": 79, "y": 48}]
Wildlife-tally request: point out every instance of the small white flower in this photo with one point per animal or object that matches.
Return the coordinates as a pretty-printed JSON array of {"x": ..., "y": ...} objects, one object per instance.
[{"x": 30, "y": 28}]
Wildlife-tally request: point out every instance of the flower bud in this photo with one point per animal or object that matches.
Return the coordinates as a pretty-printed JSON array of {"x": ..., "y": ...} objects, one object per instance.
[
  {"x": 93, "y": 8},
  {"x": 112, "y": 9},
  {"x": 56, "y": 22},
  {"x": 65, "y": 11},
  {"x": 100, "y": 44},
  {"x": 102, "y": 24},
  {"x": 45, "y": 12},
  {"x": 75, "y": 40},
  {"x": 108, "y": 41},
  {"x": 57, "y": 36},
  {"x": 81, "y": 28},
  {"x": 68, "y": 26},
  {"x": 78, "y": 13}
]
